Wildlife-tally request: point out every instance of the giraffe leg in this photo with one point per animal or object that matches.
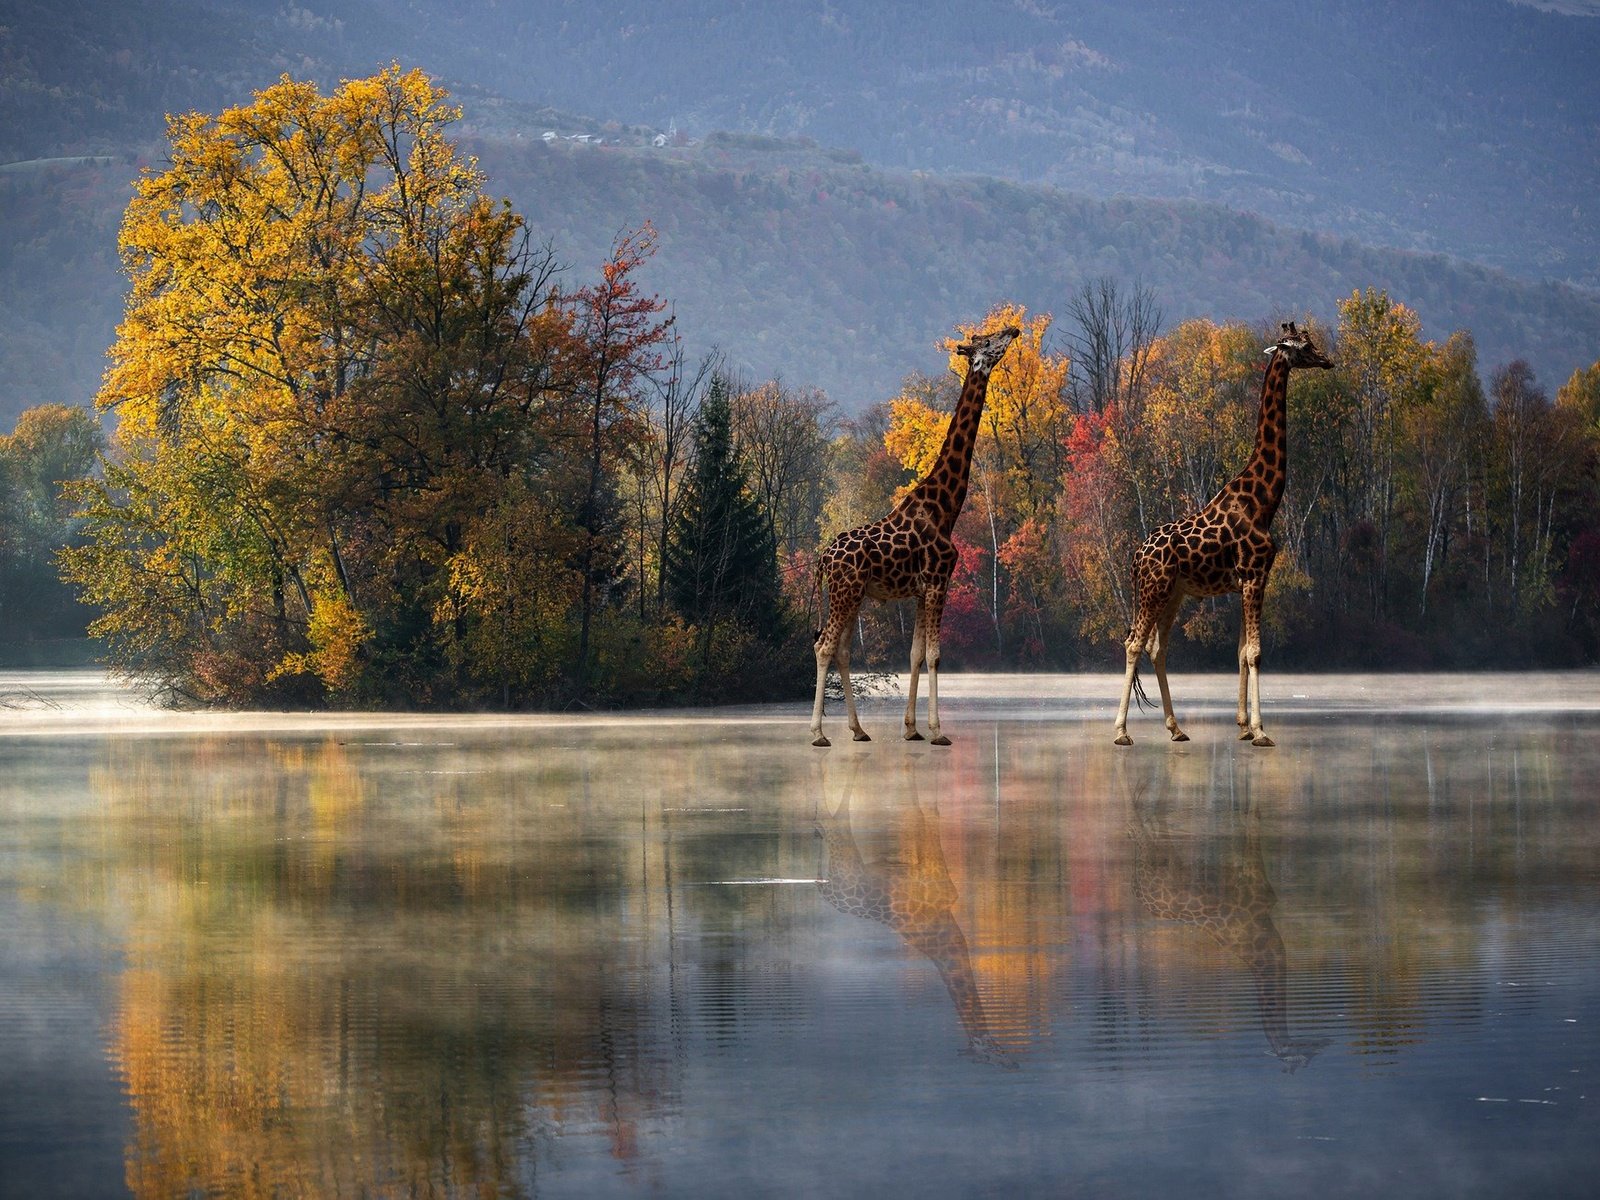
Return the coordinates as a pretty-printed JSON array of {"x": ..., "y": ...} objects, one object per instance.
[
  {"x": 932, "y": 614},
  {"x": 1158, "y": 660},
  {"x": 1253, "y": 592},
  {"x": 1135, "y": 645},
  {"x": 843, "y": 601},
  {"x": 1243, "y": 716},
  {"x": 918, "y": 650},
  {"x": 824, "y": 654},
  {"x": 842, "y": 657}
]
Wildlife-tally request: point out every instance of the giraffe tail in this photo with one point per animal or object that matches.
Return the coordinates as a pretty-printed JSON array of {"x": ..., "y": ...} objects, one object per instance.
[
  {"x": 1139, "y": 693},
  {"x": 816, "y": 601},
  {"x": 1145, "y": 703},
  {"x": 1144, "y": 700}
]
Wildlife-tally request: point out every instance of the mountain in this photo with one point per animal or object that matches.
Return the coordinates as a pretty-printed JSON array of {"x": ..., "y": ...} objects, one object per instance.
[
  {"x": 1469, "y": 127},
  {"x": 798, "y": 260},
  {"x": 1030, "y": 146},
  {"x": 803, "y": 261}
]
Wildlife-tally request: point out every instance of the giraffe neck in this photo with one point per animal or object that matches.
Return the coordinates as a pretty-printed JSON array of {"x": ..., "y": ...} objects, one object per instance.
[
  {"x": 939, "y": 939},
  {"x": 914, "y": 897},
  {"x": 1236, "y": 911},
  {"x": 944, "y": 487},
  {"x": 1264, "y": 475}
]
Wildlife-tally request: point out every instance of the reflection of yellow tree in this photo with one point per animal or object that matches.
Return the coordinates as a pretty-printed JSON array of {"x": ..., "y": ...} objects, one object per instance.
[
  {"x": 1009, "y": 872},
  {"x": 908, "y": 888},
  {"x": 339, "y": 988}
]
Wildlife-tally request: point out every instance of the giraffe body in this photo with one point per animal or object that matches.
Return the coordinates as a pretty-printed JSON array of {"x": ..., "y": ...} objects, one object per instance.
[
  {"x": 908, "y": 554},
  {"x": 1225, "y": 547}
]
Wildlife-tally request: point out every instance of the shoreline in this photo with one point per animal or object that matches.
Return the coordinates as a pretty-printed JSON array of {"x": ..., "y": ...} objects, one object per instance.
[{"x": 87, "y": 702}]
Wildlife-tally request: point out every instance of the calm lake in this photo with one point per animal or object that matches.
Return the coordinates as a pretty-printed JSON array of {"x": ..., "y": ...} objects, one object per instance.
[{"x": 687, "y": 954}]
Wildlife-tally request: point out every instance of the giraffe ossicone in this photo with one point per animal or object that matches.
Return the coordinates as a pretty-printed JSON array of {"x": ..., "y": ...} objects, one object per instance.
[
  {"x": 1225, "y": 547},
  {"x": 907, "y": 555}
]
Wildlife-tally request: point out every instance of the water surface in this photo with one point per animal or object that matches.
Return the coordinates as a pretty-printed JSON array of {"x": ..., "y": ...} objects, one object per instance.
[{"x": 687, "y": 954}]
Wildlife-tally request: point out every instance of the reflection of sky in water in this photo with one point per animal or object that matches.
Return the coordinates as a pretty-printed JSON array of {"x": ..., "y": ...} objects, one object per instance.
[{"x": 580, "y": 958}]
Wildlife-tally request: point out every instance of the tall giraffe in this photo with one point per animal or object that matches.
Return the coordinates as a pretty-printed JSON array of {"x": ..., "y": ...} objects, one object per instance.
[
  {"x": 1225, "y": 547},
  {"x": 910, "y": 891},
  {"x": 1231, "y": 899},
  {"x": 907, "y": 554}
]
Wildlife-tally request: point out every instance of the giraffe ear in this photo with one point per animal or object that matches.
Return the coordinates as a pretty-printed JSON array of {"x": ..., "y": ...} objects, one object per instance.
[{"x": 1269, "y": 350}]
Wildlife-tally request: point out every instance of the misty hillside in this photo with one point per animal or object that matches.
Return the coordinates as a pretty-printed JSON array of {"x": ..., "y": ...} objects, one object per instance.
[
  {"x": 803, "y": 261},
  {"x": 841, "y": 258},
  {"x": 846, "y": 276},
  {"x": 1467, "y": 126},
  {"x": 1470, "y": 127}
]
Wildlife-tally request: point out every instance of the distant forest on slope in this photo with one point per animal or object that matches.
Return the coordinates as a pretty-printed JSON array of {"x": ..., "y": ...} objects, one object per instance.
[
  {"x": 803, "y": 262},
  {"x": 1469, "y": 127},
  {"x": 1465, "y": 126},
  {"x": 798, "y": 262}
]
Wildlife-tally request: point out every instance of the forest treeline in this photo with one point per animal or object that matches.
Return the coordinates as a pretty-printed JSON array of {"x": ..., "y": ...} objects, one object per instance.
[{"x": 370, "y": 446}]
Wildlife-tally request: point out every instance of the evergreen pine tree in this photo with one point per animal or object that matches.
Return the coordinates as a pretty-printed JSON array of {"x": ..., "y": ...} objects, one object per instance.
[{"x": 721, "y": 562}]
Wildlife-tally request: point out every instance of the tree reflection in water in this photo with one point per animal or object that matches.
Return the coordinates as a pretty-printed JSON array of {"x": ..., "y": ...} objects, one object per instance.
[
  {"x": 908, "y": 888},
  {"x": 316, "y": 1005}
]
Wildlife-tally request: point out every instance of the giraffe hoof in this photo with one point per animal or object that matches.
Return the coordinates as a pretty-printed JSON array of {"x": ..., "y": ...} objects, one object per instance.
[
  {"x": 819, "y": 740},
  {"x": 1245, "y": 735},
  {"x": 913, "y": 736},
  {"x": 1124, "y": 740},
  {"x": 941, "y": 740},
  {"x": 1263, "y": 740},
  {"x": 861, "y": 735},
  {"x": 1180, "y": 736}
]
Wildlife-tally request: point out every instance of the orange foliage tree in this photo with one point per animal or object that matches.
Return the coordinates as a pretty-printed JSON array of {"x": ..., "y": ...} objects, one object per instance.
[{"x": 348, "y": 395}]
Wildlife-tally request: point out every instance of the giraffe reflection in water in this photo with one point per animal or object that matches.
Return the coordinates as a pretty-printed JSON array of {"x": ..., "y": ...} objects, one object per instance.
[
  {"x": 1218, "y": 882},
  {"x": 908, "y": 888}
]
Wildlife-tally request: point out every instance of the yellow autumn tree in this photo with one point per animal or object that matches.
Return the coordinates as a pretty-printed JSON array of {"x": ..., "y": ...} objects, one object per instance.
[
  {"x": 336, "y": 347},
  {"x": 1581, "y": 395},
  {"x": 916, "y": 431},
  {"x": 1026, "y": 414},
  {"x": 1017, "y": 464},
  {"x": 1199, "y": 415}
]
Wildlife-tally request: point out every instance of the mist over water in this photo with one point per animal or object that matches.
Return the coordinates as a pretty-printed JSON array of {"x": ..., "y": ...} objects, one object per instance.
[{"x": 687, "y": 954}]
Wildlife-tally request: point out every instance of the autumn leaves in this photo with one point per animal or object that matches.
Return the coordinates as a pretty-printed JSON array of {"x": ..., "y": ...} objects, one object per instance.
[{"x": 373, "y": 445}]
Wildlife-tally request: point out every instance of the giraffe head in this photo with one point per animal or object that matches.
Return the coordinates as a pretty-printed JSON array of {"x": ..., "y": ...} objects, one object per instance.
[
  {"x": 1297, "y": 349},
  {"x": 985, "y": 350},
  {"x": 1299, "y": 1053}
]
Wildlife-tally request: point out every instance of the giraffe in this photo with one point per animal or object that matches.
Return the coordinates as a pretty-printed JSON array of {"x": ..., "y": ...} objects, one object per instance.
[
  {"x": 907, "y": 554},
  {"x": 1231, "y": 899},
  {"x": 911, "y": 892},
  {"x": 1225, "y": 547}
]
